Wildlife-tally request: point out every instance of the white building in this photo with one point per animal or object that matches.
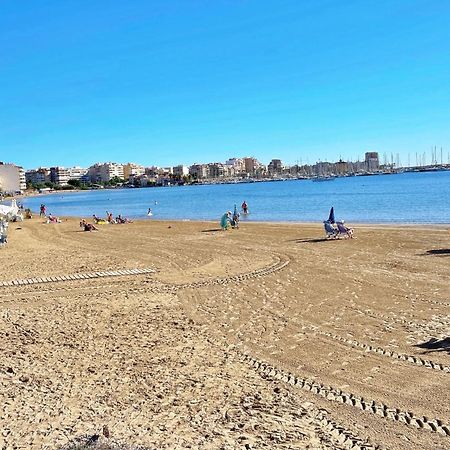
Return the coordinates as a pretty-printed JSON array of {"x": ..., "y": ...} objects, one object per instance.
[
  {"x": 77, "y": 173},
  {"x": 237, "y": 165},
  {"x": 59, "y": 175},
  {"x": 12, "y": 179},
  {"x": 104, "y": 172}
]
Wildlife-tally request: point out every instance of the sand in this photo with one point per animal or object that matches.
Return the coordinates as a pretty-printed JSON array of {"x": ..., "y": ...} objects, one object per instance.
[{"x": 262, "y": 337}]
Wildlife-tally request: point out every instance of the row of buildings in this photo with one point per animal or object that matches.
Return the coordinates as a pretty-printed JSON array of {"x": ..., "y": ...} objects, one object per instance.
[
  {"x": 101, "y": 173},
  {"x": 14, "y": 178}
]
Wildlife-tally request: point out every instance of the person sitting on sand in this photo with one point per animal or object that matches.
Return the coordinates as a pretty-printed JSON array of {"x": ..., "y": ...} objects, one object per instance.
[
  {"x": 53, "y": 219},
  {"x": 109, "y": 217},
  {"x": 95, "y": 218},
  {"x": 87, "y": 226}
]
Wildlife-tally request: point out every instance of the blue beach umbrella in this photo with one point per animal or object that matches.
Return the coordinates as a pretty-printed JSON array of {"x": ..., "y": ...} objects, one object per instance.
[{"x": 331, "y": 217}]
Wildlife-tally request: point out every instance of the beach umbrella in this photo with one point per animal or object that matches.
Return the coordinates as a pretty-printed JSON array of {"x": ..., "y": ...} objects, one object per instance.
[{"x": 331, "y": 217}]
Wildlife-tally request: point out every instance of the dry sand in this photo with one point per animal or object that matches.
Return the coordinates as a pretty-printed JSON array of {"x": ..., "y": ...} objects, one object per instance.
[{"x": 173, "y": 359}]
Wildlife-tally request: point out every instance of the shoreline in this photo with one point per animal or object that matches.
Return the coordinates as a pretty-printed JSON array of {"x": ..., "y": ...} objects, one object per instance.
[{"x": 368, "y": 226}]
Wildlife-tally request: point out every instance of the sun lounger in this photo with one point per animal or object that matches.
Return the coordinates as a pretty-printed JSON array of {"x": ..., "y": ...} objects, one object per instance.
[
  {"x": 344, "y": 231},
  {"x": 330, "y": 231}
]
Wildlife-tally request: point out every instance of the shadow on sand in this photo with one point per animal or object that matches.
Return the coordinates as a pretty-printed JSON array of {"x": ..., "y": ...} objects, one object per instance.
[
  {"x": 311, "y": 240},
  {"x": 436, "y": 345},
  {"x": 439, "y": 251},
  {"x": 212, "y": 230}
]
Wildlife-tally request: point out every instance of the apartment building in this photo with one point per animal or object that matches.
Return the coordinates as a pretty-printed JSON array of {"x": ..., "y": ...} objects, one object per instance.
[
  {"x": 132, "y": 169},
  {"x": 105, "y": 172},
  {"x": 180, "y": 171},
  {"x": 12, "y": 178},
  {"x": 59, "y": 175}
]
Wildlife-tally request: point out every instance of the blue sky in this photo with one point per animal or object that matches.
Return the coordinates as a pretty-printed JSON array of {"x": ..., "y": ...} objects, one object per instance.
[{"x": 168, "y": 82}]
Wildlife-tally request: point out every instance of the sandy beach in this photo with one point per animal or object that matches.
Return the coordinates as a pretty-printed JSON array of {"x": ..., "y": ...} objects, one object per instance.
[{"x": 265, "y": 337}]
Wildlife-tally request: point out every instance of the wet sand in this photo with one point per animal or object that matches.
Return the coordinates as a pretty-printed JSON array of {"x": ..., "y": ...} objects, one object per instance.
[{"x": 262, "y": 337}]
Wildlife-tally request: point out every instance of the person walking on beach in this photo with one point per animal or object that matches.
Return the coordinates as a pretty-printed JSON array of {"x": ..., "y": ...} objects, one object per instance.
[{"x": 42, "y": 210}]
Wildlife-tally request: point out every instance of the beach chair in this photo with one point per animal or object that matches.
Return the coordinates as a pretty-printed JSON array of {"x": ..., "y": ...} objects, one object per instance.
[
  {"x": 344, "y": 231},
  {"x": 330, "y": 231}
]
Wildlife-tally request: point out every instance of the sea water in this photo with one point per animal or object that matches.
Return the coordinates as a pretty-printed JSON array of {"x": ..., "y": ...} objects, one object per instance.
[{"x": 414, "y": 197}]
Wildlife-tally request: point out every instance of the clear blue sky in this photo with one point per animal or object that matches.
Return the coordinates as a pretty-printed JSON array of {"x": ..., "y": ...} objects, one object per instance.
[{"x": 168, "y": 82}]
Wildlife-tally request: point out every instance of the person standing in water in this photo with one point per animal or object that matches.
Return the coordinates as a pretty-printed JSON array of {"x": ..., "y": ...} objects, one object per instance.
[
  {"x": 149, "y": 212},
  {"x": 244, "y": 207},
  {"x": 42, "y": 211}
]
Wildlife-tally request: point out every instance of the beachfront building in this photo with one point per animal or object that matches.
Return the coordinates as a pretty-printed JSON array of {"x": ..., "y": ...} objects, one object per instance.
[
  {"x": 252, "y": 166},
  {"x": 132, "y": 169},
  {"x": 38, "y": 176},
  {"x": 235, "y": 166},
  {"x": 199, "y": 171},
  {"x": 217, "y": 170},
  {"x": 275, "y": 167},
  {"x": 180, "y": 171},
  {"x": 78, "y": 173},
  {"x": 22, "y": 179},
  {"x": 341, "y": 168},
  {"x": 372, "y": 161},
  {"x": 105, "y": 172},
  {"x": 142, "y": 180},
  {"x": 59, "y": 175},
  {"x": 12, "y": 179}
]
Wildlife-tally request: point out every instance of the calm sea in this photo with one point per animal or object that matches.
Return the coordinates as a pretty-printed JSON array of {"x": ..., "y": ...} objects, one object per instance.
[{"x": 409, "y": 198}]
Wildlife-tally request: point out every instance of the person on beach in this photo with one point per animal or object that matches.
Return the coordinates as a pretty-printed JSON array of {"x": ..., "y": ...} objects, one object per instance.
[
  {"x": 95, "y": 218},
  {"x": 87, "y": 226},
  {"x": 42, "y": 210},
  {"x": 244, "y": 207},
  {"x": 235, "y": 219},
  {"x": 149, "y": 212},
  {"x": 53, "y": 219},
  {"x": 225, "y": 220},
  {"x": 109, "y": 217}
]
